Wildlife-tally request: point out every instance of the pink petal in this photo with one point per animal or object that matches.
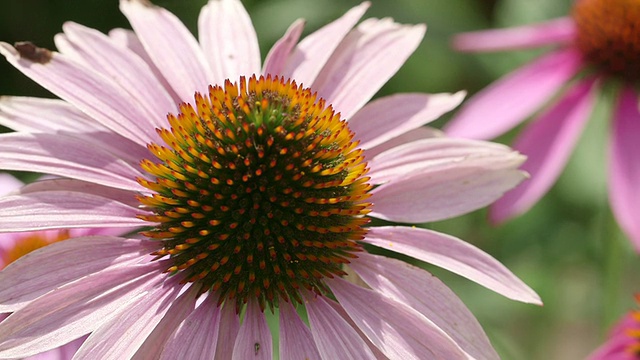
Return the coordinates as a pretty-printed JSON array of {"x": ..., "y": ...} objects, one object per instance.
[
  {"x": 254, "y": 338},
  {"x": 64, "y": 210},
  {"x": 391, "y": 116},
  {"x": 296, "y": 340},
  {"x": 426, "y": 294},
  {"x": 547, "y": 142},
  {"x": 412, "y": 135},
  {"x": 89, "y": 91},
  {"x": 562, "y": 30},
  {"x": 429, "y": 153},
  {"x": 66, "y": 156},
  {"x": 312, "y": 53},
  {"x": 124, "y": 67},
  {"x": 228, "y": 40},
  {"x": 123, "y": 334},
  {"x": 197, "y": 336},
  {"x": 171, "y": 46},
  {"x": 8, "y": 184},
  {"x": 511, "y": 99},
  {"x": 395, "y": 328},
  {"x": 179, "y": 310},
  {"x": 122, "y": 196},
  {"x": 75, "y": 309},
  {"x": 279, "y": 54},
  {"x": 448, "y": 189},
  {"x": 454, "y": 255},
  {"x": 230, "y": 324},
  {"x": 334, "y": 337},
  {"x": 624, "y": 165},
  {"x": 364, "y": 61},
  {"x": 47, "y": 268}
]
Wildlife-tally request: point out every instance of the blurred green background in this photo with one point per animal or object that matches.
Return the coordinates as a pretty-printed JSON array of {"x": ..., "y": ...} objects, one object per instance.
[{"x": 568, "y": 248}]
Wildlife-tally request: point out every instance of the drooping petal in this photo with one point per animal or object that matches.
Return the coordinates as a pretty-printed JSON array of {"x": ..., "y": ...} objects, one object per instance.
[
  {"x": 119, "y": 195},
  {"x": 228, "y": 40},
  {"x": 511, "y": 99},
  {"x": 372, "y": 124},
  {"x": 64, "y": 210},
  {"x": 448, "y": 189},
  {"x": 395, "y": 328},
  {"x": 66, "y": 156},
  {"x": 92, "y": 93},
  {"x": 180, "y": 309},
  {"x": 547, "y": 143},
  {"x": 47, "y": 268},
  {"x": 312, "y": 53},
  {"x": 420, "y": 133},
  {"x": 75, "y": 309},
  {"x": 334, "y": 337},
  {"x": 230, "y": 326},
  {"x": 296, "y": 340},
  {"x": 430, "y": 153},
  {"x": 254, "y": 338},
  {"x": 555, "y": 31},
  {"x": 196, "y": 338},
  {"x": 123, "y": 334},
  {"x": 280, "y": 52},
  {"x": 426, "y": 294},
  {"x": 131, "y": 73},
  {"x": 624, "y": 165},
  {"x": 454, "y": 255},
  {"x": 171, "y": 46},
  {"x": 364, "y": 61}
]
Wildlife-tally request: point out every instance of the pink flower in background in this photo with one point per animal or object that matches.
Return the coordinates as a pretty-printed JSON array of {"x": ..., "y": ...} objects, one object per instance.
[
  {"x": 624, "y": 340},
  {"x": 257, "y": 193},
  {"x": 598, "y": 43}
]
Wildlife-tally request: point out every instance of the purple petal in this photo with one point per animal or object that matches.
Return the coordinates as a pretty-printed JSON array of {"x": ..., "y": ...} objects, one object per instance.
[
  {"x": 296, "y": 340},
  {"x": 334, "y": 337},
  {"x": 426, "y": 294},
  {"x": 75, "y": 309},
  {"x": 624, "y": 165},
  {"x": 47, "y": 268},
  {"x": 123, "y": 334},
  {"x": 67, "y": 156},
  {"x": 171, "y": 46},
  {"x": 511, "y": 99},
  {"x": 89, "y": 91},
  {"x": 197, "y": 336},
  {"x": 562, "y": 30},
  {"x": 254, "y": 338},
  {"x": 364, "y": 61},
  {"x": 230, "y": 323},
  {"x": 312, "y": 53},
  {"x": 446, "y": 190},
  {"x": 132, "y": 74},
  {"x": 123, "y": 196},
  {"x": 64, "y": 210},
  {"x": 388, "y": 117},
  {"x": 395, "y": 328},
  {"x": 228, "y": 40},
  {"x": 454, "y": 255},
  {"x": 547, "y": 142},
  {"x": 420, "y": 133},
  {"x": 279, "y": 54}
]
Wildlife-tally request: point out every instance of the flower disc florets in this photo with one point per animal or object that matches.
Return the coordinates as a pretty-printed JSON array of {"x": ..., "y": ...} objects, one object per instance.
[
  {"x": 259, "y": 191},
  {"x": 609, "y": 35}
]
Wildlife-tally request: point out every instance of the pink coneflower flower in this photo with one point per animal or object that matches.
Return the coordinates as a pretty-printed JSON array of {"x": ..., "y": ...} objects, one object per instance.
[
  {"x": 255, "y": 196},
  {"x": 624, "y": 339},
  {"x": 598, "y": 43}
]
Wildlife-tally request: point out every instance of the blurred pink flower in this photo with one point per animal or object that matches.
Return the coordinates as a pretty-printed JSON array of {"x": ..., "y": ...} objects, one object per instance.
[
  {"x": 598, "y": 43},
  {"x": 258, "y": 195},
  {"x": 624, "y": 339}
]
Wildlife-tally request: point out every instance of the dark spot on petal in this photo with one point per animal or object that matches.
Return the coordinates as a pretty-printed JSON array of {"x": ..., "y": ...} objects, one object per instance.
[{"x": 33, "y": 53}]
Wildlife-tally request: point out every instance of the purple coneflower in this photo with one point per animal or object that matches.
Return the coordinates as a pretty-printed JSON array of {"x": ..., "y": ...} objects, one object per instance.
[
  {"x": 598, "y": 43},
  {"x": 255, "y": 196},
  {"x": 624, "y": 339}
]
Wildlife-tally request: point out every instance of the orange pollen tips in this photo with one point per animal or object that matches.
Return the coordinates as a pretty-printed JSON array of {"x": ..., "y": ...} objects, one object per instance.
[
  {"x": 28, "y": 242},
  {"x": 259, "y": 191},
  {"x": 633, "y": 331},
  {"x": 609, "y": 35}
]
